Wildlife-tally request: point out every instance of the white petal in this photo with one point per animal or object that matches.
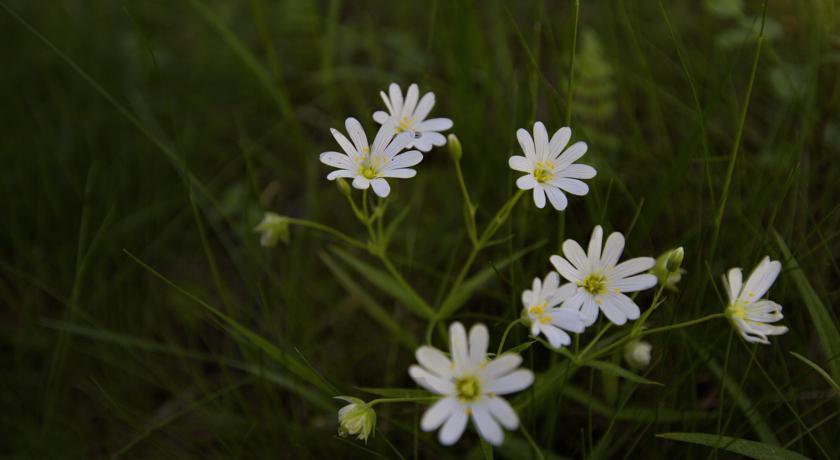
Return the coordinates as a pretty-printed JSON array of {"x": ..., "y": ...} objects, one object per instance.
[
  {"x": 760, "y": 280},
  {"x": 478, "y": 344},
  {"x": 568, "y": 319},
  {"x": 562, "y": 293},
  {"x": 433, "y": 138},
  {"x": 410, "y": 100},
  {"x": 626, "y": 304},
  {"x": 573, "y": 186},
  {"x": 574, "y": 253},
  {"x": 593, "y": 253},
  {"x": 589, "y": 310},
  {"x": 765, "y": 311},
  {"x": 357, "y": 134},
  {"x": 539, "y": 196},
  {"x": 440, "y": 411},
  {"x": 430, "y": 381},
  {"x": 559, "y": 141},
  {"x": 612, "y": 250},
  {"x": 526, "y": 182},
  {"x": 566, "y": 269},
  {"x": 487, "y": 427},
  {"x": 346, "y": 173},
  {"x": 399, "y": 173},
  {"x": 404, "y": 160},
  {"x": 520, "y": 163},
  {"x": 632, "y": 266},
  {"x": 503, "y": 412},
  {"x": 735, "y": 283},
  {"x": 380, "y": 187},
  {"x": 557, "y": 199},
  {"x": 575, "y": 302},
  {"x": 502, "y": 365},
  {"x": 361, "y": 182},
  {"x": 515, "y": 381},
  {"x": 453, "y": 428},
  {"x": 380, "y": 117},
  {"x": 555, "y": 336},
  {"x": 526, "y": 143},
  {"x": 458, "y": 346},
  {"x": 611, "y": 310},
  {"x": 396, "y": 98},
  {"x": 387, "y": 144},
  {"x": 434, "y": 124},
  {"x": 527, "y": 298},
  {"x": 571, "y": 154},
  {"x": 424, "y": 107},
  {"x": 541, "y": 141},
  {"x": 552, "y": 282},
  {"x": 387, "y": 102},
  {"x": 345, "y": 144},
  {"x": 579, "y": 171},
  {"x": 435, "y": 361},
  {"x": 336, "y": 160},
  {"x": 633, "y": 283}
]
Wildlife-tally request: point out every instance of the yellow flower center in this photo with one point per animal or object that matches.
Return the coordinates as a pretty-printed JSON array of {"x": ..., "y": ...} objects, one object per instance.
[
  {"x": 595, "y": 284},
  {"x": 539, "y": 312},
  {"x": 737, "y": 310},
  {"x": 544, "y": 171},
  {"x": 404, "y": 124},
  {"x": 468, "y": 388}
]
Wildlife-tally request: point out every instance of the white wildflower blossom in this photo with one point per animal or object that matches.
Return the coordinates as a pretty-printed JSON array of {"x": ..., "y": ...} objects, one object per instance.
[
  {"x": 550, "y": 166},
  {"x": 601, "y": 280},
  {"x": 542, "y": 312},
  {"x": 471, "y": 386},
  {"x": 356, "y": 419},
  {"x": 409, "y": 116},
  {"x": 369, "y": 165},
  {"x": 748, "y": 312}
]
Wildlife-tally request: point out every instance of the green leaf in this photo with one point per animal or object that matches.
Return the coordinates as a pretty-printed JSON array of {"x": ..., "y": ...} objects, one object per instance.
[
  {"x": 819, "y": 370},
  {"x": 457, "y": 299},
  {"x": 376, "y": 311},
  {"x": 618, "y": 371},
  {"x": 385, "y": 282},
  {"x": 823, "y": 323},
  {"x": 743, "y": 447}
]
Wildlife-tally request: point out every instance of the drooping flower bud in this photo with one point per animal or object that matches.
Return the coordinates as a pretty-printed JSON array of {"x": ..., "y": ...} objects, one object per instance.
[
  {"x": 454, "y": 146},
  {"x": 273, "y": 228},
  {"x": 356, "y": 419},
  {"x": 637, "y": 354}
]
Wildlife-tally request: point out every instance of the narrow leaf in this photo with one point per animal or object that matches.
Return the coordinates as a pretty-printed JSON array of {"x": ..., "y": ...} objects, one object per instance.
[
  {"x": 739, "y": 446},
  {"x": 618, "y": 371}
]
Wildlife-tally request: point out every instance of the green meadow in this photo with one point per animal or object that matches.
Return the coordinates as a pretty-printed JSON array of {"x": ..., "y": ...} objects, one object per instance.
[{"x": 143, "y": 141}]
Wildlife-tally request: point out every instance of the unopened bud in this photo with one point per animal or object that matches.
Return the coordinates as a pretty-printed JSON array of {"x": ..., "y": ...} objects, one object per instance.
[
  {"x": 675, "y": 260},
  {"x": 356, "y": 419},
  {"x": 273, "y": 228},
  {"x": 637, "y": 354},
  {"x": 343, "y": 186},
  {"x": 454, "y": 146}
]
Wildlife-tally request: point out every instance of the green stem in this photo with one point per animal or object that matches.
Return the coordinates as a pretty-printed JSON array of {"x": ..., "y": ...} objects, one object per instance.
[
  {"x": 398, "y": 276},
  {"x": 505, "y": 334},
  {"x": 406, "y": 399},
  {"x": 594, "y": 341},
  {"x": 469, "y": 208},
  {"x": 326, "y": 229},
  {"x": 655, "y": 330}
]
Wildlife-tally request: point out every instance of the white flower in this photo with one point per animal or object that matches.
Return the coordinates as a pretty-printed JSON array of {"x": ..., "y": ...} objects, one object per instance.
[
  {"x": 369, "y": 165},
  {"x": 550, "y": 169},
  {"x": 747, "y": 313},
  {"x": 409, "y": 116},
  {"x": 601, "y": 280},
  {"x": 540, "y": 308},
  {"x": 356, "y": 419},
  {"x": 471, "y": 386},
  {"x": 637, "y": 354}
]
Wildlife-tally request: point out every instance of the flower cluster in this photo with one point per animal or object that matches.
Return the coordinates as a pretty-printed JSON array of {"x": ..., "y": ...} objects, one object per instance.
[{"x": 467, "y": 383}]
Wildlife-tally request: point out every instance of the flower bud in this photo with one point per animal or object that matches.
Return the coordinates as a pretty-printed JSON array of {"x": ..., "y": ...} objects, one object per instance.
[
  {"x": 637, "y": 354},
  {"x": 356, "y": 419},
  {"x": 343, "y": 186},
  {"x": 675, "y": 259},
  {"x": 273, "y": 228},
  {"x": 454, "y": 146},
  {"x": 667, "y": 269}
]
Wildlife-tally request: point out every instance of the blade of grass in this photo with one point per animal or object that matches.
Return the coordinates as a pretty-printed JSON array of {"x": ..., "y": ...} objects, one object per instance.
[{"x": 751, "y": 449}]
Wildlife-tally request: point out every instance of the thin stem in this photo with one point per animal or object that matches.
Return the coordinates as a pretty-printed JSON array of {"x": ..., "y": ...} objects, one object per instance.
[
  {"x": 406, "y": 399},
  {"x": 469, "y": 208},
  {"x": 595, "y": 340},
  {"x": 629, "y": 337},
  {"x": 505, "y": 334},
  {"x": 326, "y": 229},
  {"x": 398, "y": 276}
]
